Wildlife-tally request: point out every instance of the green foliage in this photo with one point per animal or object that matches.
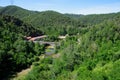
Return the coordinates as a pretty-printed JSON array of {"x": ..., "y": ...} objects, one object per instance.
[
  {"x": 91, "y": 50},
  {"x": 42, "y": 68},
  {"x": 51, "y": 22},
  {"x": 93, "y": 55},
  {"x": 15, "y": 52},
  {"x": 18, "y": 26},
  {"x": 97, "y": 18}
]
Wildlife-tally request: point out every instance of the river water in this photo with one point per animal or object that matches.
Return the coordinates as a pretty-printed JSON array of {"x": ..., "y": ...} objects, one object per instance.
[{"x": 50, "y": 50}]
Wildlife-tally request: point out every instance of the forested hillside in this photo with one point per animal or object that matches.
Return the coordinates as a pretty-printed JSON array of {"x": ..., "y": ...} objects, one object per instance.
[
  {"x": 19, "y": 26},
  {"x": 61, "y": 24},
  {"x": 89, "y": 51},
  {"x": 75, "y": 16},
  {"x": 94, "y": 55},
  {"x": 97, "y": 18},
  {"x": 47, "y": 20},
  {"x": 15, "y": 52}
]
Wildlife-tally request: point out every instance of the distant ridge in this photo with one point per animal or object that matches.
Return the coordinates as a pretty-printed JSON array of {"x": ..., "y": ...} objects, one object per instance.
[
  {"x": 47, "y": 20},
  {"x": 37, "y": 18}
]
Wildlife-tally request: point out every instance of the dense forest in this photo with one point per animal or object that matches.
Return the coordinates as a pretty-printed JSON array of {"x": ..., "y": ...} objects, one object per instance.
[
  {"x": 47, "y": 21},
  {"x": 90, "y": 56},
  {"x": 90, "y": 51},
  {"x": 15, "y": 53}
]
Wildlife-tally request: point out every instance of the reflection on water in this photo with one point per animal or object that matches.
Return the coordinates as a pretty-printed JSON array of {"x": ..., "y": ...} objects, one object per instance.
[{"x": 50, "y": 50}]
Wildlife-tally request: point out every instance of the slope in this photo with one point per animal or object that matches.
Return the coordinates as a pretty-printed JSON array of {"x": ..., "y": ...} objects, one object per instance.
[
  {"x": 98, "y": 18},
  {"x": 31, "y": 16},
  {"x": 43, "y": 20},
  {"x": 93, "y": 55},
  {"x": 19, "y": 27},
  {"x": 15, "y": 52}
]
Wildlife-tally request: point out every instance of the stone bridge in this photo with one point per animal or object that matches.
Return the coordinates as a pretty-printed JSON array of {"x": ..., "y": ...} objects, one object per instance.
[{"x": 46, "y": 43}]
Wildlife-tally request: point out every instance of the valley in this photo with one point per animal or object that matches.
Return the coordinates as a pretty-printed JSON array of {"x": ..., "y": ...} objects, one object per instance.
[{"x": 49, "y": 45}]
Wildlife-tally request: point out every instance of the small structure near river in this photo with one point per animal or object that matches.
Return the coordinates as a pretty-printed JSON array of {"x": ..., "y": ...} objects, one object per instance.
[{"x": 50, "y": 47}]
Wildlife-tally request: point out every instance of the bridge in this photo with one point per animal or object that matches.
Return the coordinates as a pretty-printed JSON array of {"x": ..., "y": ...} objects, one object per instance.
[
  {"x": 35, "y": 40},
  {"x": 46, "y": 43}
]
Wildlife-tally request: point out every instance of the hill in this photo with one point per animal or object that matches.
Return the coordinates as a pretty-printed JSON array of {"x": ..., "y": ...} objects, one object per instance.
[
  {"x": 75, "y": 16},
  {"x": 90, "y": 56},
  {"x": 98, "y": 18},
  {"x": 14, "y": 50},
  {"x": 91, "y": 50},
  {"x": 58, "y": 22},
  {"x": 18, "y": 26},
  {"x": 94, "y": 18},
  {"x": 52, "y": 18}
]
